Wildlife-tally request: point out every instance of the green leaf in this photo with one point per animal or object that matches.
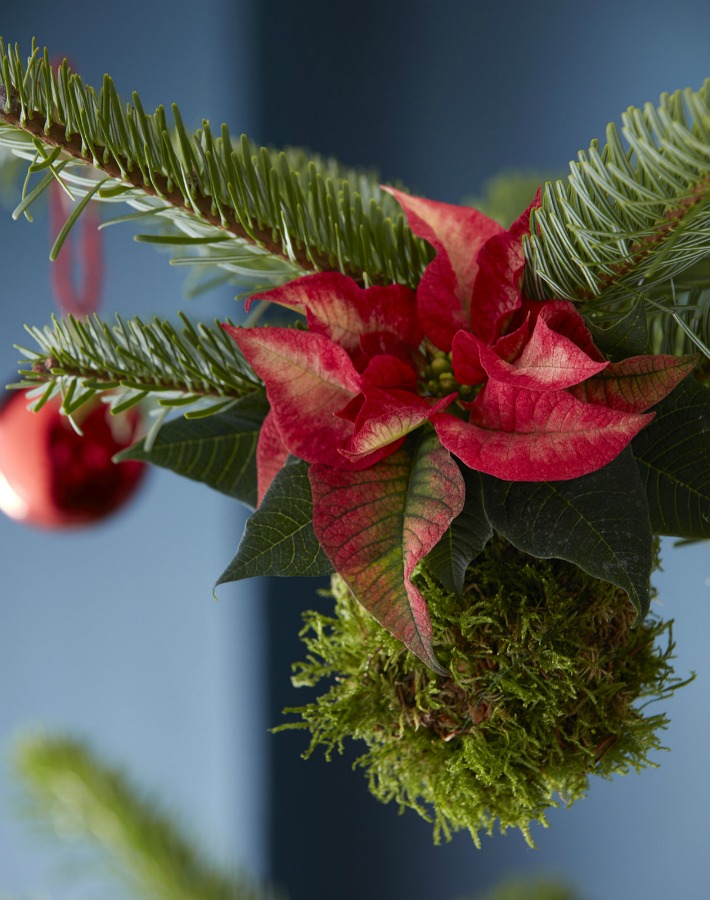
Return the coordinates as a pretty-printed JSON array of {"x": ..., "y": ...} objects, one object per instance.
[
  {"x": 599, "y": 522},
  {"x": 626, "y": 337},
  {"x": 219, "y": 450},
  {"x": 463, "y": 540},
  {"x": 377, "y": 524},
  {"x": 673, "y": 456},
  {"x": 278, "y": 538}
]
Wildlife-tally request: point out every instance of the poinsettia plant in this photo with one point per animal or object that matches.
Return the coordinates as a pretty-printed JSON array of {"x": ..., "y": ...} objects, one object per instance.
[
  {"x": 412, "y": 411},
  {"x": 481, "y": 378},
  {"x": 448, "y": 406}
]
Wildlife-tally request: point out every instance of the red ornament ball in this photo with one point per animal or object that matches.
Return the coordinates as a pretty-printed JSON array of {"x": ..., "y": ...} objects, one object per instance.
[{"x": 52, "y": 477}]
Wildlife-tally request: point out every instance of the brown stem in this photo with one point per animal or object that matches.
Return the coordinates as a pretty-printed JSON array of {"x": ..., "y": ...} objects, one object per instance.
[{"x": 42, "y": 374}]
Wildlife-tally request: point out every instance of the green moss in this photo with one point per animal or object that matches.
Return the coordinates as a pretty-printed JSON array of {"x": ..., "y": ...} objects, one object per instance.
[{"x": 547, "y": 671}]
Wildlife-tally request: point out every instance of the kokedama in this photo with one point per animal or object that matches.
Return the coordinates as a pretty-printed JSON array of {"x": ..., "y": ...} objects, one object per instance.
[{"x": 480, "y": 431}]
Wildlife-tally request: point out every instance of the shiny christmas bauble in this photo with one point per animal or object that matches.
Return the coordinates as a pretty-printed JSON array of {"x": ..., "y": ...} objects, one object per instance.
[{"x": 52, "y": 477}]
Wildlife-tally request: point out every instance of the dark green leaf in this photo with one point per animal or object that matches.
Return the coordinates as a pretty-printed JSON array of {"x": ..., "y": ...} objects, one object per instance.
[
  {"x": 278, "y": 538},
  {"x": 464, "y": 539},
  {"x": 673, "y": 456},
  {"x": 218, "y": 450},
  {"x": 598, "y": 522},
  {"x": 627, "y": 337}
]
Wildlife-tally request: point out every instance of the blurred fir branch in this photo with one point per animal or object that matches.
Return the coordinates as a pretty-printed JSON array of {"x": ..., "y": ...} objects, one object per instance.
[
  {"x": 530, "y": 889},
  {"x": 504, "y": 196},
  {"x": 77, "y": 796},
  {"x": 70, "y": 794}
]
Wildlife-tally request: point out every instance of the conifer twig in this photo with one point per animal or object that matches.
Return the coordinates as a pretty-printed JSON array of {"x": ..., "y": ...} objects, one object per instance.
[
  {"x": 309, "y": 213},
  {"x": 200, "y": 370},
  {"x": 158, "y": 186}
]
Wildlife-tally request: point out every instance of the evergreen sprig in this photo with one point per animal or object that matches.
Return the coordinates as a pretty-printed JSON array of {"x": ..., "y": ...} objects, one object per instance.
[
  {"x": 69, "y": 790},
  {"x": 271, "y": 214},
  {"x": 633, "y": 215},
  {"x": 679, "y": 317},
  {"x": 198, "y": 369}
]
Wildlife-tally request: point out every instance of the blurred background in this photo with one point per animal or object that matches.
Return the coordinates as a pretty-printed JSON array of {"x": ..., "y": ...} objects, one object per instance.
[{"x": 112, "y": 633}]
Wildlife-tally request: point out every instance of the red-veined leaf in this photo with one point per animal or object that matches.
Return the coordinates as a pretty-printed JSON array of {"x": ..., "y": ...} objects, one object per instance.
[
  {"x": 637, "y": 383},
  {"x": 308, "y": 379},
  {"x": 388, "y": 416},
  {"x": 377, "y": 524},
  {"x": 467, "y": 350},
  {"x": 510, "y": 346},
  {"x": 549, "y": 361},
  {"x": 466, "y": 353},
  {"x": 271, "y": 454},
  {"x": 339, "y": 308},
  {"x": 496, "y": 288},
  {"x": 564, "y": 318},
  {"x": 523, "y": 435},
  {"x": 456, "y": 233},
  {"x": 386, "y": 370}
]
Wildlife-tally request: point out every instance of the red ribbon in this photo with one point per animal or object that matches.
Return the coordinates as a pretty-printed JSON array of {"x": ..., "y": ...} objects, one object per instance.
[
  {"x": 76, "y": 277},
  {"x": 83, "y": 298}
]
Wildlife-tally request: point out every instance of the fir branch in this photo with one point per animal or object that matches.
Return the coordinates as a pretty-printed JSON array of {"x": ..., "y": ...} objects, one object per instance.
[
  {"x": 70, "y": 790},
  {"x": 307, "y": 213},
  {"x": 199, "y": 369},
  {"x": 632, "y": 214}
]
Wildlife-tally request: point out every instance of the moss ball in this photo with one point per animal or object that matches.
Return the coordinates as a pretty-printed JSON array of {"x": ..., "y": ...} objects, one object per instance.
[{"x": 549, "y": 678}]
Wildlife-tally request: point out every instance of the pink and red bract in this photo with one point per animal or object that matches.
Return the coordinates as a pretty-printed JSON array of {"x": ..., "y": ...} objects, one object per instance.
[{"x": 526, "y": 396}]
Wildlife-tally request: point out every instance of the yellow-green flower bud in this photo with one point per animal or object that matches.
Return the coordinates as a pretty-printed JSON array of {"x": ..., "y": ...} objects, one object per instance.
[{"x": 440, "y": 365}]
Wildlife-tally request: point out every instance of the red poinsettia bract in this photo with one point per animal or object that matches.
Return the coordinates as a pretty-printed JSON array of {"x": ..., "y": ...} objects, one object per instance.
[{"x": 513, "y": 388}]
